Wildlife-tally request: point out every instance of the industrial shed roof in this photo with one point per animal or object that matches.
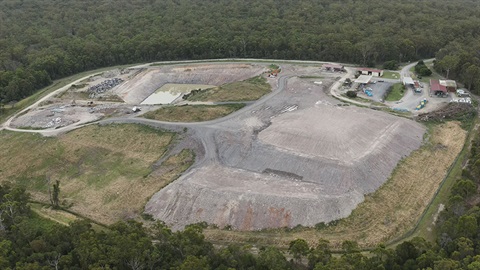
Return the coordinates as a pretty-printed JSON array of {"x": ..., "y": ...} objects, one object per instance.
[{"x": 364, "y": 79}]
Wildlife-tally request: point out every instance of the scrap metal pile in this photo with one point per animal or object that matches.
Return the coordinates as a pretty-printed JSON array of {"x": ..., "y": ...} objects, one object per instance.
[{"x": 103, "y": 87}]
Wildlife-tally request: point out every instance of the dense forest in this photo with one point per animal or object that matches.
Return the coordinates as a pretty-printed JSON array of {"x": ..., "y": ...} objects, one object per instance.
[
  {"x": 42, "y": 40},
  {"x": 29, "y": 242}
]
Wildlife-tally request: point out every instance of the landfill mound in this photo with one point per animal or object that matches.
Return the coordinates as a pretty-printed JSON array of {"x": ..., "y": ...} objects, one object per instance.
[
  {"x": 145, "y": 83},
  {"x": 304, "y": 167},
  {"x": 246, "y": 201}
]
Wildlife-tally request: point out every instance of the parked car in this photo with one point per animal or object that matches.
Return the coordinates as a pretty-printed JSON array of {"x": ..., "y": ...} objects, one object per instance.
[{"x": 462, "y": 93}]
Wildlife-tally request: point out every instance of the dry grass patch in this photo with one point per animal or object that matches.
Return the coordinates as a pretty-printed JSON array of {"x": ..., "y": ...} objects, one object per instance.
[
  {"x": 386, "y": 214},
  {"x": 106, "y": 172},
  {"x": 251, "y": 89},
  {"x": 194, "y": 113}
]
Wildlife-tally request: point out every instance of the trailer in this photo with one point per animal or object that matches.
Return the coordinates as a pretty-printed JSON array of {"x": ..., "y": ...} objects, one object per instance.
[{"x": 421, "y": 105}]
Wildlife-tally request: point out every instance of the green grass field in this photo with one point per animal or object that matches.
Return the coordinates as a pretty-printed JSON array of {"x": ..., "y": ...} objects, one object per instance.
[
  {"x": 192, "y": 113},
  {"x": 48, "y": 213},
  {"x": 40, "y": 223},
  {"x": 396, "y": 93},
  {"x": 251, "y": 89},
  {"x": 391, "y": 75}
]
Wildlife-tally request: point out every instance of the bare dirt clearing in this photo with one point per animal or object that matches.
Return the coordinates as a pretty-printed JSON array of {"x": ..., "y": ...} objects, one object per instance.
[{"x": 55, "y": 116}]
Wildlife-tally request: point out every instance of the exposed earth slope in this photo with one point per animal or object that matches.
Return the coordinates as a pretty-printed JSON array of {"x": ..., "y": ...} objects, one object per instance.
[{"x": 297, "y": 158}]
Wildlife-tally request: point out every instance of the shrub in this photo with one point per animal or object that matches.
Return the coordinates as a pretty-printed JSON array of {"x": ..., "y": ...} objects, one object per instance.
[
  {"x": 422, "y": 70},
  {"x": 351, "y": 94},
  {"x": 320, "y": 226}
]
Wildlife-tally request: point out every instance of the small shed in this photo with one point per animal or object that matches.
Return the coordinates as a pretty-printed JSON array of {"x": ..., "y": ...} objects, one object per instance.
[
  {"x": 363, "y": 79},
  {"x": 450, "y": 85},
  {"x": 408, "y": 81},
  {"x": 371, "y": 71}
]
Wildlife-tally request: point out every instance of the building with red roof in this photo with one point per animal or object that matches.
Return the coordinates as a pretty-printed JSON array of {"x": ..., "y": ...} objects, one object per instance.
[
  {"x": 371, "y": 71},
  {"x": 450, "y": 85},
  {"x": 437, "y": 89}
]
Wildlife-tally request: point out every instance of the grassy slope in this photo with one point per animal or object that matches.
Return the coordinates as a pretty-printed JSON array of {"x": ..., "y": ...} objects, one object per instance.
[
  {"x": 40, "y": 223},
  {"x": 251, "y": 89},
  {"x": 105, "y": 172},
  {"x": 396, "y": 93},
  {"x": 391, "y": 75},
  {"x": 426, "y": 228},
  {"x": 60, "y": 217},
  {"x": 386, "y": 214},
  {"x": 195, "y": 113}
]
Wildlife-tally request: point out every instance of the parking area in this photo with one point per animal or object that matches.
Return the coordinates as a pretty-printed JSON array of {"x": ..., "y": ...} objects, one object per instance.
[
  {"x": 411, "y": 100},
  {"x": 378, "y": 90}
]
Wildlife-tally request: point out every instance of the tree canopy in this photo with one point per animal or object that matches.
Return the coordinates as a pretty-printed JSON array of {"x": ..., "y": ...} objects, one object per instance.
[{"x": 44, "y": 40}]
